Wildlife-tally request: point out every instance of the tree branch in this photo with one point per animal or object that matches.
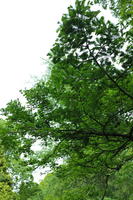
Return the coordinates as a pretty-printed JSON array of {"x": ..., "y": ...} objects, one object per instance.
[
  {"x": 86, "y": 134},
  {"x": 115, "y": 83},
  {"x": 106, "y": 187},
  {"x": 110, "y": 78}
]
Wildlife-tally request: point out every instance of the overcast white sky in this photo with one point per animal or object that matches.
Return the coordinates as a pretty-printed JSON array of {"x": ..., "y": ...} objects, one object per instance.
[{"x": 27, "y": 31}]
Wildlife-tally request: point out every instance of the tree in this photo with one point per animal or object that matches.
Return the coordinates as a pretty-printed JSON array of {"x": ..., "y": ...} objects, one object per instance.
[
  {"x": 6, "y": 189},
  {"x": 120, "y": 8},
  {"x": 29, "y": 191},
  {"x": 11, "y": 145},
  {"x": 76, "y": 183},
  {"x": 86, "y": 106},
  {"x": 6, "y": 183}
]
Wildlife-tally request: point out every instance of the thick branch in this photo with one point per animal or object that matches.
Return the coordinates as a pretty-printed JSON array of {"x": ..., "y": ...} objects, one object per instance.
[
  {"x": 81, "y": 134},
  {"x": 115, "y": 83},
  {"x": 106, "y": 187},
  {"x": 110, "y": 78},
  {"x": 131, "y": 132}
]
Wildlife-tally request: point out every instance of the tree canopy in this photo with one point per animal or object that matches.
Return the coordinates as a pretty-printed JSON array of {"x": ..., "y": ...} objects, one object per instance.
[{"x": 83, "y": 113}]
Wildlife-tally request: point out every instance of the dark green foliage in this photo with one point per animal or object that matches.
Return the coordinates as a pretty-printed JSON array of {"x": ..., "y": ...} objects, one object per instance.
[
  {"x": 29, "y": 190},
  {"x": 85, "y": 109}
]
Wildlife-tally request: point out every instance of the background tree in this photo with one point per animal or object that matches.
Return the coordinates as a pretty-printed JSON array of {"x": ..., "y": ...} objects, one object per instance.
[
  {"x": 6, "y": 185},
  {"x": 14, "y": 163},
  {"x": 76, "y": 183},
  {"x": 29, "y": 191}
]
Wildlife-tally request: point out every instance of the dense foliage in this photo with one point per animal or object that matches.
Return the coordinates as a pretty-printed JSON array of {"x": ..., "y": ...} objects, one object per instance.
[
  {"x": 83, "y": 113},
  {"x": 6, "y": 187},
  {"x": 79, "y": 185}
]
